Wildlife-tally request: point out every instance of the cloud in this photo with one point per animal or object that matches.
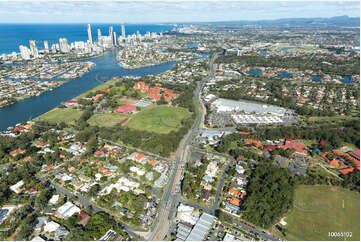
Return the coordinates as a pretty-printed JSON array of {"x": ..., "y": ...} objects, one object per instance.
[{"x": 162, "y": 11}]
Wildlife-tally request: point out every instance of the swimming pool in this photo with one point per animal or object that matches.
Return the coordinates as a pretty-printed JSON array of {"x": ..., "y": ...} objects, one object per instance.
[{"x": 141, "y": 104}]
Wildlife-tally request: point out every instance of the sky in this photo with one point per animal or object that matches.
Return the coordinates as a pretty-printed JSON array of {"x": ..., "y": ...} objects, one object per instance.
[{"x": 51, "y": 11}]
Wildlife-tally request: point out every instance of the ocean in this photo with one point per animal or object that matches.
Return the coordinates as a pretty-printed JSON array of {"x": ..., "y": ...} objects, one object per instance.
[{"x": 13, "y": 35}]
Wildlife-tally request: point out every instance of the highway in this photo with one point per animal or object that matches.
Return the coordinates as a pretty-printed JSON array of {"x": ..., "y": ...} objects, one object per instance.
[{"x": 169, "y": 200}]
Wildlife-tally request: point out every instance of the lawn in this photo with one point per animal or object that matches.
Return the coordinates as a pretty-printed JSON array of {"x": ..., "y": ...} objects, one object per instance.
[
  {"x": 319, "y": 210},
  {"x": 159, "y": 119},
  {"x": 106, "y": 119},
  {"x": 58, "y": 115},
  {"x": 102, "y": 86}
]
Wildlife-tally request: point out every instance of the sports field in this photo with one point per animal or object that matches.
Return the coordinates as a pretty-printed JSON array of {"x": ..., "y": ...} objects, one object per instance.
[
  {"x": 319, "y": 210},
  {"x": 106, "y": 119},
  {"x": 159, "y": 119},
  {"x": 58, "y": 115}
]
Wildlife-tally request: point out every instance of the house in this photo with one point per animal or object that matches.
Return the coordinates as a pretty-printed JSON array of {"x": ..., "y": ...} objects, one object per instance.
[
  {"x": 17, "y": 187},
  {"x": 255, "y": 142},
  {"x": 41, "y": 222},
  {"x": 51, "y": 227},
  {"x": 17, "y": 152},
  {"x": 234, "y": 201},
  {"x": 346, "y": 171},
  {"x": 77, "y": 184},
  {"x": 290, "y": 144},
  {"x": 67, "y": 210},
  {"x": 233, "y": 192},
  {"x": 355, "y": 154},
  {"x": 269, "y": 147},
  {"x": 96, "y": 97},
  {"x": 141, "y": 158},
  {"x": 141, "y": 86},
  {"x": 153, "y": 162},
  {"x": 334, "y": 163},
  {"x": 232, "y": 208},
  {"x": 54, "y": 199},
  {"x": 240, "y": 169},
  {"x": 61, "y": 232}
]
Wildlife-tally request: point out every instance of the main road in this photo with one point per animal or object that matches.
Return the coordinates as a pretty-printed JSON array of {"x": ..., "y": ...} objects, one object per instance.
[{"x": 163, "y": 222}]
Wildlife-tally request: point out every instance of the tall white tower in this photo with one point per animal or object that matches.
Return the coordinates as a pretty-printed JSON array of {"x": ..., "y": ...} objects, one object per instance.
[{"x": 90, "y": 36}]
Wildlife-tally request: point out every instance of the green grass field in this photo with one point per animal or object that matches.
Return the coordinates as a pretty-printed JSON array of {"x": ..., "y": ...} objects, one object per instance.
[
  {"x": 319, "y": 210},
  {"x": 58, "y": 115},
  {"x": 102, "y": 86},
  {"x": 159, "y": 119},
  {"x": 106, "y": 119}
]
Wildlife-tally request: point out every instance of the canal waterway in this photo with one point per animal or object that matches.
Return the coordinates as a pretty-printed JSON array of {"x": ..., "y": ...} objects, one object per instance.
[{"x": 106, "y": 68}]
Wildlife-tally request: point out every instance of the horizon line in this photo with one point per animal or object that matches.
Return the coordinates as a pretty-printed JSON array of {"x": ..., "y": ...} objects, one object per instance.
[{"x": 180, "y": 22}]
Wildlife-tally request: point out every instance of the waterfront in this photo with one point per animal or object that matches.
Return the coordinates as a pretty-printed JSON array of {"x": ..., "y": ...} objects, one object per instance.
[
  {"x": 13, "y": 35},
  {"x": 105, "y": 69}
]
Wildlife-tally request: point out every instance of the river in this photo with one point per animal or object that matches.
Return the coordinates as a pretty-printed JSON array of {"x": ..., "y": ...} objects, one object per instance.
[{"x": 106, "y": 68}]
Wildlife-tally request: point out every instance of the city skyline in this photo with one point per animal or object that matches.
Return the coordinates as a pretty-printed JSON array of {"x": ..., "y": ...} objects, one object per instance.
[{"x": 169, "y": 12}]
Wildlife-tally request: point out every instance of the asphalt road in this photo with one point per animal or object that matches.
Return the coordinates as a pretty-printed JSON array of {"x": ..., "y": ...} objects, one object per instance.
[
  {"x": 86, "y": 203},
  {"x": 163, "y": 221}
]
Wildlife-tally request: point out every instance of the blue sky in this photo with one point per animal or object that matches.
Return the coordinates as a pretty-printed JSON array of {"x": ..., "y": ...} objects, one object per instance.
[{"x": 168, "y": 11}]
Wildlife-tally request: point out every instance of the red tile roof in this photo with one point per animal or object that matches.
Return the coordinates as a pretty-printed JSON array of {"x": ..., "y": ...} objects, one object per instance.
[
  {"x": 346, "y": 171},
  {"x": 242, "y": 132},
  {"x": 125, "y": 109},
  {"x": 140, "y": 156},
  {"x": 96, "y": 97},
  {"x": 269, "y": 147},
  {"x": 255, "y": 142},
  {"x": 334, "y": 163},
  {"x": 355, "y": 154}
]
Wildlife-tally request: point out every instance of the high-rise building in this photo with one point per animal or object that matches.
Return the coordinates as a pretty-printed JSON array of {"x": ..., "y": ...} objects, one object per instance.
[
  {"x": 64, "y": 47},
  {"x": 123, "y": 31},
  {"x": 99, "y": 34},
  {"x": 34, "y": 49},
  {"x": 90, "y": 36},
  {"x": 24, "y": 52},
  {"x": 46, "y": 46},
  {"x": 115, "y": 39},
  {"x": 111, "y": 34}
]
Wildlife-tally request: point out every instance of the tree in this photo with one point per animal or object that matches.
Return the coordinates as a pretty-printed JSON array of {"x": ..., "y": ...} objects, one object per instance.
[{"x": 270, "y": 195}]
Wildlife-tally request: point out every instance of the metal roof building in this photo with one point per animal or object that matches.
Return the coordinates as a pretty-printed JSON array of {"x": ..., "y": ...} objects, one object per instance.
[
  {"x": 201, "y": 228},
  {"x": 227, "y": 105}
]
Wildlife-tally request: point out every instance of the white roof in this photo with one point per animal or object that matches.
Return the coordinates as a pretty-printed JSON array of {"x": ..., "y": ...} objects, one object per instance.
[
  {"x": 54, "y": 199},
  {"x": 38, "y": 238},
  {"x": 185, "y": 213},
  {"x": 51, "y": 226},
  {"x": 15, "y": 187},
  {"x": 229, "y": 237},
  {"x": 68, "y": 209},
  {"x": 70, "y": 212},
  {"x": 65, "y": 207}
]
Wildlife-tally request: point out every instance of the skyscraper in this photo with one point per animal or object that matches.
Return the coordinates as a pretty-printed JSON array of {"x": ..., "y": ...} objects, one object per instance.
[
  {"x": 46, "y": 46},
  {"x": 99, "y": 35},
  {"x": 111, "y": 34},
  {"x": 115, "y": 39},
  {"x": 123, "y": 31},
  {"x": 34, "y": 49},
  {"x": 90, "y": 36},
  {"x": 24, "y": 52},
  {"x": 64, "y": 47}
]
